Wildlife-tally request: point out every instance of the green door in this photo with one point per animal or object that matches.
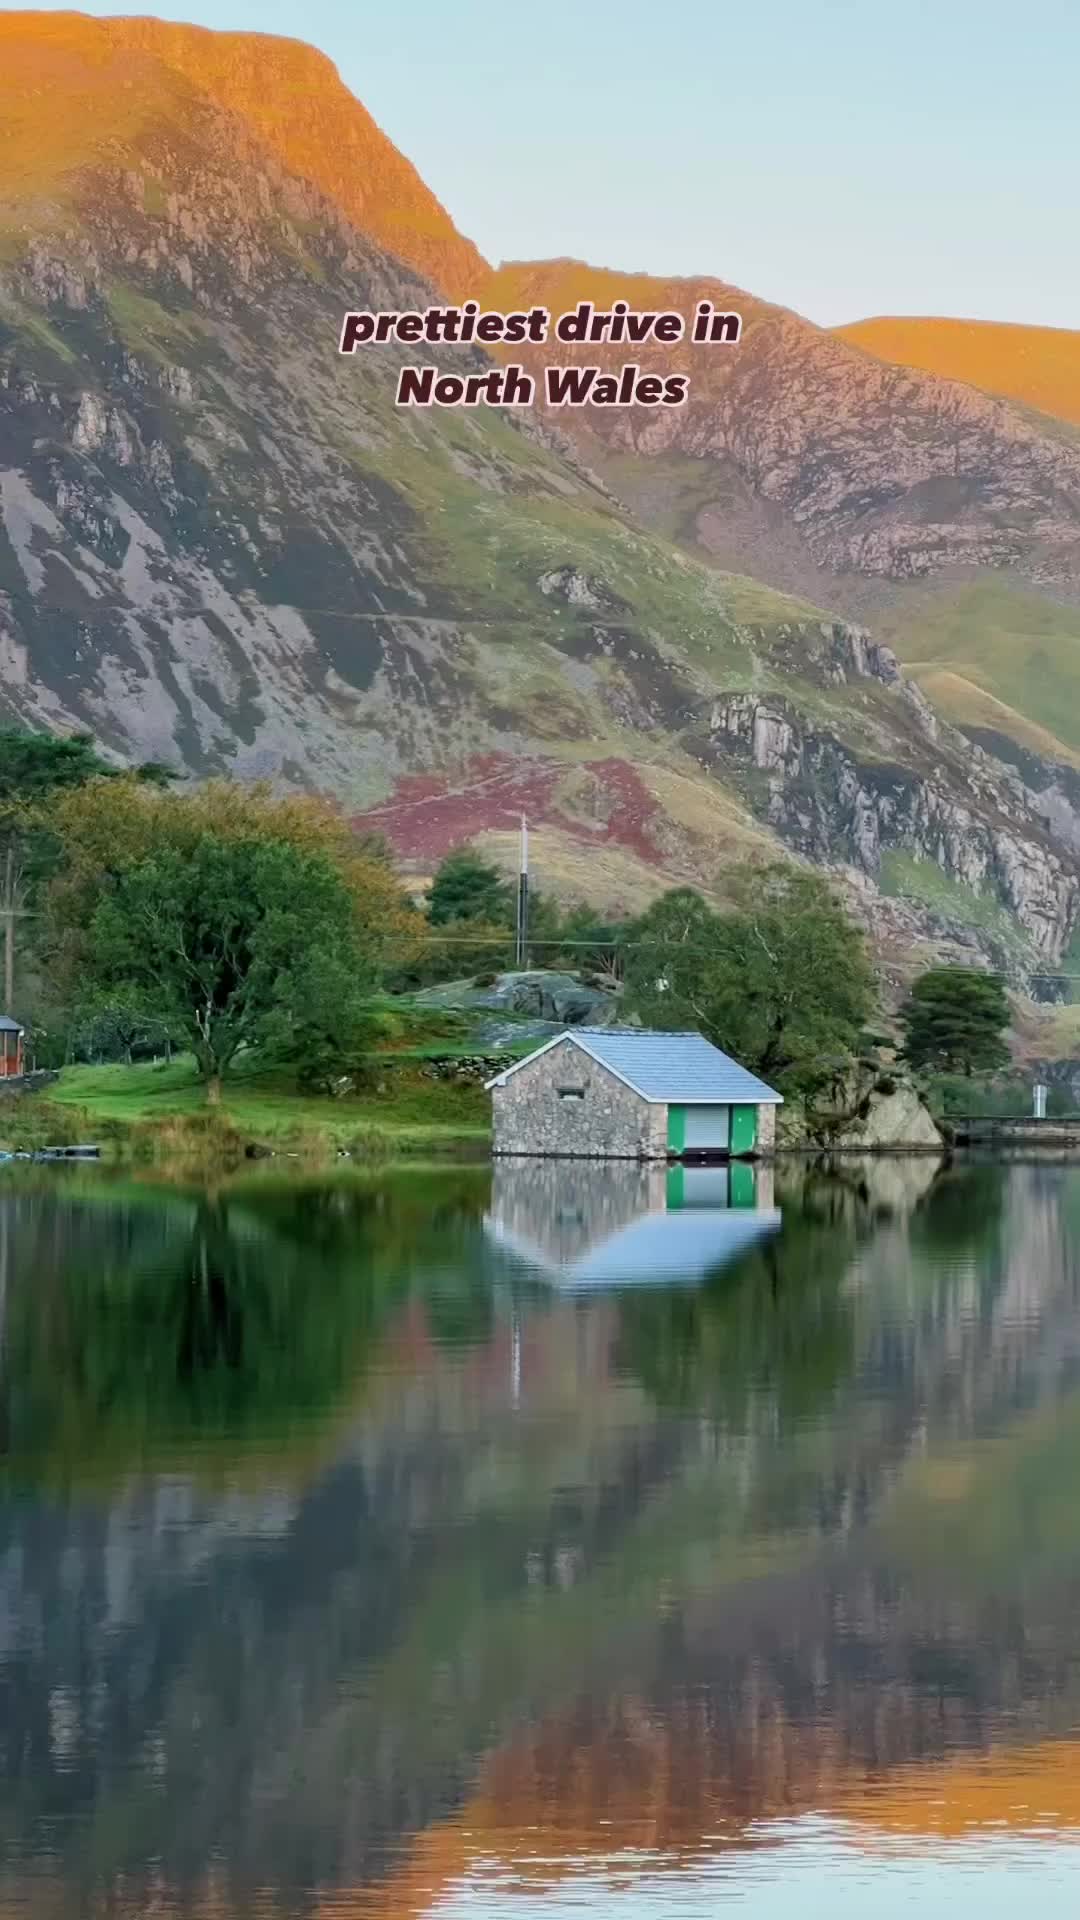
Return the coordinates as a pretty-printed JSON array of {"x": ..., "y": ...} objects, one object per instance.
[
  {"x": 743, "y": 1187},
  {"x": 676, "y": 1129},
  {"x": 743, "y": 1129}
]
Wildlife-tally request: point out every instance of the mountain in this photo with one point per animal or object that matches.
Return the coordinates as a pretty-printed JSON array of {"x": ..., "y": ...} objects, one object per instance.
[
  {"x": 289, "y": 96},
  {"x": 1038, "y": 366},
  {"x": 944, "y": 516},
  {"x": 875, "y": 469},
  {"x": 222, "y": 546}
]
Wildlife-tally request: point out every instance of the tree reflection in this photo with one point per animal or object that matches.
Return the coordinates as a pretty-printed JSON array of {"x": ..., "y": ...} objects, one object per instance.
[
  {"x": 962, "y": 1213},
  {"x": 773, "y": 1323},
  {"x": 153, "y": 1323}
]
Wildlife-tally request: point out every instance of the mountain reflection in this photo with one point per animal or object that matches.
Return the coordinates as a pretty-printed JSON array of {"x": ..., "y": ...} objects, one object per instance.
[{"x": 339, "y": 1545}]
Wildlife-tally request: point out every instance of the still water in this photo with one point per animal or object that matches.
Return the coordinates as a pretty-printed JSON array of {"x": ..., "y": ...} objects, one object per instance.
[{"x": 548, "y": 1542}]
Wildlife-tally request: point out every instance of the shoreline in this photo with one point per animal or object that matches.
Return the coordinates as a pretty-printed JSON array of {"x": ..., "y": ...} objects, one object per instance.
[{"x": 157, "y": 1112}]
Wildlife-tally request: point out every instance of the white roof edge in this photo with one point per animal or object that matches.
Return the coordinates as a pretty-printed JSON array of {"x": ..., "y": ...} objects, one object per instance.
[
  {"x": 500, "y": 1079},
  {"x": 767, "y": 1097},
  {"x": 569, "y": 1034}
]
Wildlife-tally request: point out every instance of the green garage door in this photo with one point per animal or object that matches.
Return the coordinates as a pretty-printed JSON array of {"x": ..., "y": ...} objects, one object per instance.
[{"x": 712, "y": 1129}]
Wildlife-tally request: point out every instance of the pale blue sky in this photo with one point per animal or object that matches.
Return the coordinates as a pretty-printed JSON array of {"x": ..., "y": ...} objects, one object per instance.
[{"x": 843, "y": 157}]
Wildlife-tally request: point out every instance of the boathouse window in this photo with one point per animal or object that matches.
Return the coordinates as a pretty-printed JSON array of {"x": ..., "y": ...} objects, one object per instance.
[{"x": 570, "y": 1093}]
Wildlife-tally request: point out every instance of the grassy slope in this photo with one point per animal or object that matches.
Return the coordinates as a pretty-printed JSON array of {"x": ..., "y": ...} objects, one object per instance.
[
  {"x": 994, "y": 654},
  {"x": 1039, "y": 366},
  {"x": 905, "y": 878},
  {"x": 488, "y": 545},
  {"x": 988, "y": 652},
  {"x": 145, "y": 1099}
]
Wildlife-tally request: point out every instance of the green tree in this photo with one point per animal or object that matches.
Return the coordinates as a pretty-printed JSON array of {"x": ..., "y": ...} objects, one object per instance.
[
  {"x": 954, "y": 1020},
  {"x": 33, "y": 767},
  {"x": 109, "y": 1030},
  {"x": 591, "y": 944},
  {"x": 229, "y": 945},
  {"x": 781, "y": 980},
  {"x": 468, "y": 888},
  {"x": 226, "y": 915}
]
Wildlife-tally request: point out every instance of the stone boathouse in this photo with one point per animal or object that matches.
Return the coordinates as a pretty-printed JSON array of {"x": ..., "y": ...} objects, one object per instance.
[{"x": 609, "y": 1093}]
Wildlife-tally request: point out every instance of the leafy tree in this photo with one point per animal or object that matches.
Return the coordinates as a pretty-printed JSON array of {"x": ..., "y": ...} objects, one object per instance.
[
  {"x": 226, "y": 943},
  {"x": 590, "y": 944},
  {"x": 781, "y": 980},
  {"x": 110, "y": 1030},
  {"x": 34, "y": 766},
  {"x": 469, "y": 897},
  {"x": 954, "y": 1019},
  {"x": 468, "y": 888},
  {"x": 231, "y": 917}
]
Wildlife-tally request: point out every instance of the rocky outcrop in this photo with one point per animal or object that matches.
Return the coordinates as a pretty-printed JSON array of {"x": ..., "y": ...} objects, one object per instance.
[
  {"x": 891, "y": 1121},
  {"x": 559, "y": 998},
  {"x": 832, "y": 653},
  {"x": 869, "y": 1110},
  {"x": 985, "y": 833},
  {"x": 580, "y": 589}
]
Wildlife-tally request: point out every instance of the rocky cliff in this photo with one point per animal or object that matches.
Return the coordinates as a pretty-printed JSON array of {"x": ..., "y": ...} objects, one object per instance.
[{"x": 881, "y": 469}]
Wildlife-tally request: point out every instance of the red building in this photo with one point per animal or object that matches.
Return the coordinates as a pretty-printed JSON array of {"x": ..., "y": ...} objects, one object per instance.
[{"x": 11, "y": 1047}]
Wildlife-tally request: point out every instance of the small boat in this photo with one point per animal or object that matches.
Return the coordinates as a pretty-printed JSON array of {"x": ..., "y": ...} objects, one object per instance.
[{"x": 67, "y": 1153}]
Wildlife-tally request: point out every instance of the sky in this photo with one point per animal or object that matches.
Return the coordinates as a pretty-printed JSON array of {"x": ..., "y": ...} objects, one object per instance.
[{"x": 842, "y": 157}]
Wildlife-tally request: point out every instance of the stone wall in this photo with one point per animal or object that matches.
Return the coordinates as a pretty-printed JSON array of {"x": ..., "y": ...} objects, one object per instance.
[
  {"x": 563, "y": 1210},
  {"x": 27, "y": 1082},
  {"x": 766, "y": 1130},
  {"x": 611, "y": 1122}
]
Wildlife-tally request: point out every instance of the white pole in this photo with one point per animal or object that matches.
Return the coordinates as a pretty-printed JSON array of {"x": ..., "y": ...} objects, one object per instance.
[{"x": 521, "y": 943}]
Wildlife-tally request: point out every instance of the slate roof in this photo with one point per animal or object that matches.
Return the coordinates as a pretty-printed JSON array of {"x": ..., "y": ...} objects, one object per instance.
[
  {"x": 8, "y": 1025},
  {"x": 681, "y": 1067}
]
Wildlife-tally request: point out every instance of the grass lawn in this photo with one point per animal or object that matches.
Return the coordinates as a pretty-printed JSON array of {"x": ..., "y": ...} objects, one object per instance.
[{"x": 158, "y": 1105}]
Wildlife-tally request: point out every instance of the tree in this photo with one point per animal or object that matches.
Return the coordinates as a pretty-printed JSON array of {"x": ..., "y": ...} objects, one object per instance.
[
  {"x": 781, "y": 980},
  {"x": 954, "y": 1019},
  {"x": 590, "y": 944},
  {"x": 109, "y": 1030},
  {"x": 231, "y": 917},
  {"x": 34, "y": 766},
  {"x": 468, "y": 888}
]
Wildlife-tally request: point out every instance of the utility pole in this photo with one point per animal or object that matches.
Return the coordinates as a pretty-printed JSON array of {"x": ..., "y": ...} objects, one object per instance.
[{"x": 521, "y": 943}]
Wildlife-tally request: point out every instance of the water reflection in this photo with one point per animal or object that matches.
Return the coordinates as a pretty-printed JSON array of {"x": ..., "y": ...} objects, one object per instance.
[
  {"x": 619, "y": 1223},
  {"x": 349, "y": 1565}
]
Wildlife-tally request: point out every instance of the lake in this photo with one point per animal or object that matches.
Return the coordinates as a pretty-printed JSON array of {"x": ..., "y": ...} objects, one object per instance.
[{"x": 558, "y": 1540}]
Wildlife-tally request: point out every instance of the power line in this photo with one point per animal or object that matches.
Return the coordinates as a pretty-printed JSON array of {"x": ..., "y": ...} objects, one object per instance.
[{"x": 635, "y": 946}]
